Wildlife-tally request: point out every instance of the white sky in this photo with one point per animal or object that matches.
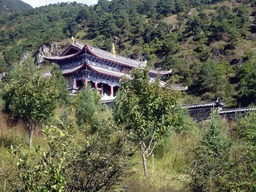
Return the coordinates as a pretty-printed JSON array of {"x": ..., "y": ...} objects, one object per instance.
[{"x": 38, "y": 3}]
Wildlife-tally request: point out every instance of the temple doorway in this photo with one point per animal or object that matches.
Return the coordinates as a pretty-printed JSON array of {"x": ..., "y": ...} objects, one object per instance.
[{"x": 79, "y": 84}]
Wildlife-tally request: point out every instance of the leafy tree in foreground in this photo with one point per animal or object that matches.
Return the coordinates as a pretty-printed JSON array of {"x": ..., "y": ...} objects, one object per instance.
[
  {"x": 29, "y": 96},
  {"x": 246, "y": 128},
  {"x": 101, "y": 163},
  {"x": 144, "y": 108},
  {"x": 93, "y": 164},
  {"x": 43, "y": 171}
]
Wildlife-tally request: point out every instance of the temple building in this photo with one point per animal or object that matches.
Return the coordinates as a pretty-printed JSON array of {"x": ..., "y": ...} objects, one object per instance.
[{"x": 83, "y": 65}]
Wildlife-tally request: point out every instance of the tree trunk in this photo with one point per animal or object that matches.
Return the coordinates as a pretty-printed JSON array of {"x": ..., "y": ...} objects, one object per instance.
[
  {"x": 144, "y": 164},
  {"x": 30, "y": 131}
]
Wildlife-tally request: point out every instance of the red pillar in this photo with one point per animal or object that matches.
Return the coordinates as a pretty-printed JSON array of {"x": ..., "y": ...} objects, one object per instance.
[
  {"x": 86, "y": 82},
  {"x": 112, "y": 90},
  {"x": 96, "y": 84},
  {"x": 101, "y": 91}
]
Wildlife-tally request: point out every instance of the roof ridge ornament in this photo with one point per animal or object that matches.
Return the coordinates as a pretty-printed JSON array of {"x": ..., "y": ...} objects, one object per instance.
[
  {"x": 113, "y": 51},
  {"x": 73, "y": 39}
]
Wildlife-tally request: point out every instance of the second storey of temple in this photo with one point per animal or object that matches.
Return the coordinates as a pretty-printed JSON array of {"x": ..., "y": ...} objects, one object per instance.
[{"x": 82, "y": 65}]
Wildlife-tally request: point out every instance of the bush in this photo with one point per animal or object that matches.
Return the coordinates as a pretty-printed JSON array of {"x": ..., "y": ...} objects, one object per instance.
[{"x": 101, "y": 163}]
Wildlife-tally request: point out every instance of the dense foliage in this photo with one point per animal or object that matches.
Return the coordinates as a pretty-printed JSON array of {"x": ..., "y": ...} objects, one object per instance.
[
  {"x": 190, "y": 37},
  {"x": 29, "y": 96},
  {"x": 12, "y": 6},
  {"x": 222, "y": 164},
  {"x": 144, "y": 108}
]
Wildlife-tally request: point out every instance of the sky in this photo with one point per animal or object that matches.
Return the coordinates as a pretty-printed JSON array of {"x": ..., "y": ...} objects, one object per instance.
[{"x": 38, "y": 3}]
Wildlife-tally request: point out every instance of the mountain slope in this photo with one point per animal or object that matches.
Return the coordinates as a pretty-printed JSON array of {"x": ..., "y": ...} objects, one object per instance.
[
  {"x": 210, "y": 48},
  {"x": 11, "y": 6}
]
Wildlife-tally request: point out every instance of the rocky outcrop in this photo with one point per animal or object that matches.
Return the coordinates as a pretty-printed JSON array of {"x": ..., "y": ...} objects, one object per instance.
[
  {"x": 23, "y": 57},
  {"x": 47, "y": 50}
]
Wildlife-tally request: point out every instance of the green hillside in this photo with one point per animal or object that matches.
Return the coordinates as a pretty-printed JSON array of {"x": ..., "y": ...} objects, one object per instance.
[
  {"x": 52, "y": 141},
  {"x": 12, "y": 6},
  {"x": 209, "y": 45}
]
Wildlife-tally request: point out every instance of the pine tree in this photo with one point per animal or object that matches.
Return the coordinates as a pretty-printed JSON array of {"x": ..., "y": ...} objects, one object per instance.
[{"x": 212, "y": 158}]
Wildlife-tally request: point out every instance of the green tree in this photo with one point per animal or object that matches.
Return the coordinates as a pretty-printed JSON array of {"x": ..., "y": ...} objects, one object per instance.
[
  {"x": 144, "y": 108},
  {"x": 29, "y": 96},
  {"x": 165, "y": 7},
  {"x": 246, "y": 128},
  {"x": 246, "y": 90},
  {"x": 101, "y": 162},
  {"x": 3, "y": 65},
  {"x": 43, "y": 171},
  {"x": 212, "y": 158},
  {"x": 61, "y": 84},
  {"x": 210, "y": 79},
  {"x": 85, "y": 108}
]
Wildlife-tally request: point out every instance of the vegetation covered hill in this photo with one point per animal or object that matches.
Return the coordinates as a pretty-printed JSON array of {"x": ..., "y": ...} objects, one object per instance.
[
  {"x": 80, "y": 145},
  {"x": 209, "y": 45},
  {"x": 12, "y": 6}
]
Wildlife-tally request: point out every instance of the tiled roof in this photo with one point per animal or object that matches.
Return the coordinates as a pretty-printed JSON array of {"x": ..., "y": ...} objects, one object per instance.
[
  {"x": 109, "y": 72},
  {"x": 97, "y": 69},
  {"x": 54, "y": 58},
  {"x": 119, "y": 59},
  {"x": 123, "y": 60},
  {"x": 72, "y": 70},
  {"x": 58, "y": 58},
  {"x": 108, "y": 56}
]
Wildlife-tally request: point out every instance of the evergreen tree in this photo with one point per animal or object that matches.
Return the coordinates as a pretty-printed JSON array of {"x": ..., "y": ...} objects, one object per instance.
[
  {"x": 61, "y": 84},
  {"x": 212, "y": 158},
  {"x": 85, "y": 108}
]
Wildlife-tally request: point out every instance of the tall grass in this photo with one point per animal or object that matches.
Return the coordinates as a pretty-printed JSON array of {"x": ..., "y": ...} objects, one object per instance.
[{"x": 167, "y": 167}]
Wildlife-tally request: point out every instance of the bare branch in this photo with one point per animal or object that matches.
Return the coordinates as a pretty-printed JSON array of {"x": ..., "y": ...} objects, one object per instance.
[
  {"x": 144, "y": 146},
  {"x": 152, "y": 149},
  {"x": 141, "y": 147},
  {"x": 152, "y": 138}
]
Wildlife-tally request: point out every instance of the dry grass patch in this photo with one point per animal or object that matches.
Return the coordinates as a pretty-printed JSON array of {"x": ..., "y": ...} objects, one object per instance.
[{"x": 171, "y": 20}]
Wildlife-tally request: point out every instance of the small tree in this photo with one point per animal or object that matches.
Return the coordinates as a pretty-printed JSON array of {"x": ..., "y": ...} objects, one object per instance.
[
  {"x": 29, "y": 96},
  {"x": 144, "y": 108},
  {"x": 246, "y": 128},
  {"x": 43, "y": 170},
  {"x": 85, "y": 107},
  {"x": 212, "y": 155},
  {"x": 60, "y": 83},
  {"x": 101, "y": 163}
]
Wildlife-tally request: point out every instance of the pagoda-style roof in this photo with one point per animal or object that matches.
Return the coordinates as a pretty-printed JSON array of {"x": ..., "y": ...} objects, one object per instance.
[
  {"x": 64, "y": 57},
  {"x": 99, "y": 70},
  {"x": 79, "y": 47}
]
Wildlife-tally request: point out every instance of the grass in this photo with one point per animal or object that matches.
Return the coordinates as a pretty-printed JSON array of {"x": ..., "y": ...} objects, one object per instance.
[
  {"x": 171, "y": 20},
  {"x": 167, "y": 167}
]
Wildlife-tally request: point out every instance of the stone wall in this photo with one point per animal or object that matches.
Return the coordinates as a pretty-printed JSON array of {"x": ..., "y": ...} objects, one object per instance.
[{"x": 200, "y": 112}]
